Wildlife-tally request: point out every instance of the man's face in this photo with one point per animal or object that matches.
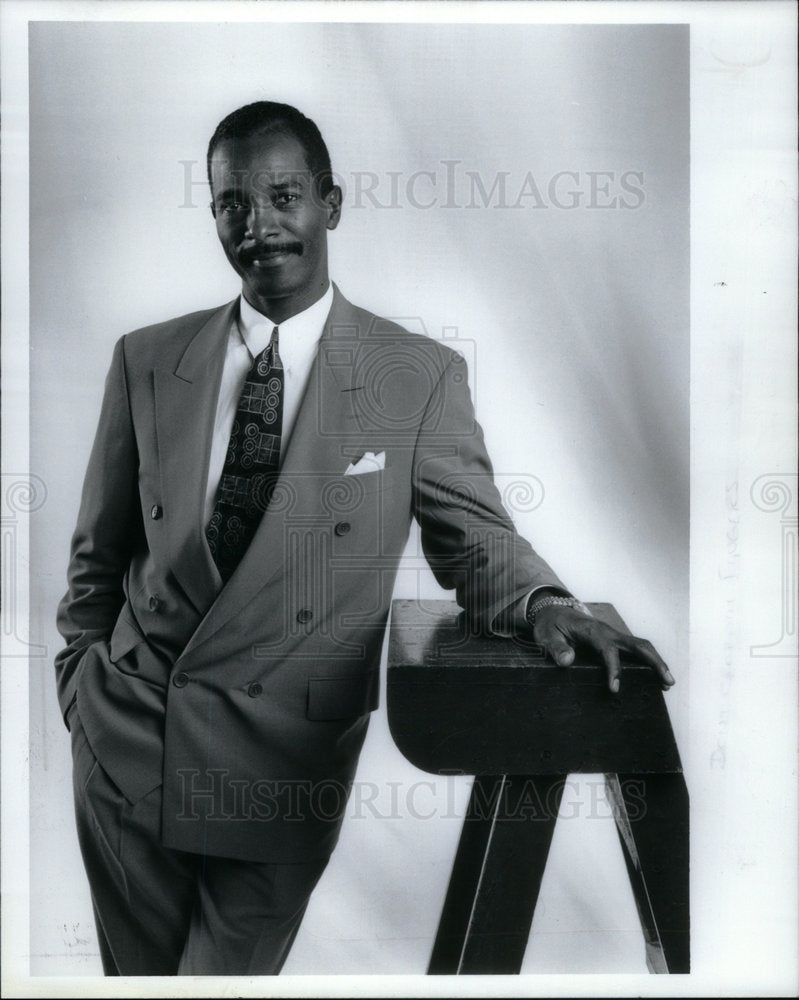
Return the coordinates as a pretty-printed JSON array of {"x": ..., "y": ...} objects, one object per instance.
[{"x": 272, "y": 222}]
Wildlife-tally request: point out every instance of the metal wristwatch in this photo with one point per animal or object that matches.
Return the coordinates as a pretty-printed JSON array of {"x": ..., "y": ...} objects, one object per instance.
[{"x": 534, "y": 606}]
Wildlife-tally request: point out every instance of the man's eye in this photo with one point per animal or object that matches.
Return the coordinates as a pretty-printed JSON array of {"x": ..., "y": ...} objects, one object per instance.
[
  {"x": 234, "y": 206},
  {"x": 286, "y": 199}
]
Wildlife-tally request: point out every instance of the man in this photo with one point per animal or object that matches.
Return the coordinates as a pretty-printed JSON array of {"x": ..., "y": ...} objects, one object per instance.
[{"x": 246, "y": 504}]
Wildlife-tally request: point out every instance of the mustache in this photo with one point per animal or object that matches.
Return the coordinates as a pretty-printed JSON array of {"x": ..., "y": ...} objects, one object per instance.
[{"x": 262, "y": 250}]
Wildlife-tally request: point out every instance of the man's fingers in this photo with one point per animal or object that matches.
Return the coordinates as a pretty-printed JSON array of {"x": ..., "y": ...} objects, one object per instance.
[
  {"x": 557, "y": 647},
  {"x": 562, "y": 654},
  {"x": 610, "y": 643},
  {"x": 561, "y": 629},
  {"x": 642, "y": 649},
  {"x": 611, "y": 657}
]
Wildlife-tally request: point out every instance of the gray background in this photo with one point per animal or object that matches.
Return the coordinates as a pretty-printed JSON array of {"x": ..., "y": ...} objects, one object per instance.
[{"x": 574, "y": 322}]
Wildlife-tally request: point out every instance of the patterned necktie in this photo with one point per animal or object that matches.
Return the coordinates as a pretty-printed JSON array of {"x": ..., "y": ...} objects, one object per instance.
[{"x": 251, "y": 465}]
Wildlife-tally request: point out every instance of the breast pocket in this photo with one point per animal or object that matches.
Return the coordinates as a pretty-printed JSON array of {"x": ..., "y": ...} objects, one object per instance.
[{"x": 341, "y": 491}]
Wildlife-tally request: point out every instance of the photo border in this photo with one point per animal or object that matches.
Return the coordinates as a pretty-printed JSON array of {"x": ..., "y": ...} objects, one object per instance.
[{"x": 743, "y": 267}]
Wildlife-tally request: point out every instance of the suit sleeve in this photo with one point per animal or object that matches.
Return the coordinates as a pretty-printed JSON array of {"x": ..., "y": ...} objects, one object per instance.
[
  {"x": 108, "y": 526},
  {"x": 468, "y": 537}
]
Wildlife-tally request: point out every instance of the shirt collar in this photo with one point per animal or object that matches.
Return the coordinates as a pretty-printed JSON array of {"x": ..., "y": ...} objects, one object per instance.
[{"x": 302, "y": 330}]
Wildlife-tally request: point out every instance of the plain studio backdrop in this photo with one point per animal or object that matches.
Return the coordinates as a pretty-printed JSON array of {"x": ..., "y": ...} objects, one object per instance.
[{"x": 520, "y": 190}]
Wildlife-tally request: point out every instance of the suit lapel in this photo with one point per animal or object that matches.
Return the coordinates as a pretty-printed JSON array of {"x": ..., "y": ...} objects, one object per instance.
[
  {"x": 312, "y": 455},
  {"x": 185, "y": 406}
]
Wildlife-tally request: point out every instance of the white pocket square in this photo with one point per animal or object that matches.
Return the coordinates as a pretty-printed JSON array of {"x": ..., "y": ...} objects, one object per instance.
[{"x": 369, "y": 462}]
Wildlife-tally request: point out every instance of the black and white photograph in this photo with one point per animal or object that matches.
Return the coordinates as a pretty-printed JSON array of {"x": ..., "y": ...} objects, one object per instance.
[{"x": 399, "y": 499}]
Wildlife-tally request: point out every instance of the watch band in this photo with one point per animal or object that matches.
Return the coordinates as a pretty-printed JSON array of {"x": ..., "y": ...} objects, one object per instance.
[{"x": 533, "y": 606}]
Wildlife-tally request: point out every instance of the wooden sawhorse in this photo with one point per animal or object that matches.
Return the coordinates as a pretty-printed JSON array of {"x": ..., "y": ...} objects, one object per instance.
[{"x": 460, "y": 703}]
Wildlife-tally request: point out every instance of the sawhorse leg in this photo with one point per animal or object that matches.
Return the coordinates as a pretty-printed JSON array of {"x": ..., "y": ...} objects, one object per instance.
[
  {"x": 496, "y": 877},
  {"x": 651, "y": 812}
]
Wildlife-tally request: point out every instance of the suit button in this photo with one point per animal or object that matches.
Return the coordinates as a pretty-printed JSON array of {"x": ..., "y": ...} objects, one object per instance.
[
  {"x": 180, "y": 680},
  {"x": 155, "y": 603},
  {"x": 156, "y": 512},
  {"x": 255, "y": 690},
  {"x": 305, "y": 615},
  {"x": 342, "y": 527}
]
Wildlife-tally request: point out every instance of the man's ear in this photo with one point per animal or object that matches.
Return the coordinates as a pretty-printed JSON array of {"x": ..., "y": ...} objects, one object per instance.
[
  {"x": 212, "y": 206},
  {"x": 333, "y": 201}
]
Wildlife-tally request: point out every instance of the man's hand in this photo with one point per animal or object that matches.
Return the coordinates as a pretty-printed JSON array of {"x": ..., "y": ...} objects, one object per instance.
[{"x": 562, "y": 630}]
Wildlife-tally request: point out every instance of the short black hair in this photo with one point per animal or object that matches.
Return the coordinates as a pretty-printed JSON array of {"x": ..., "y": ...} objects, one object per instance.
[{"x": 269, "y": 116}]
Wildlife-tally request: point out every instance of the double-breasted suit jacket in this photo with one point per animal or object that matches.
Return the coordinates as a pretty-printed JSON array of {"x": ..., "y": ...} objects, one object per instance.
[{"x": 247, "y": 704}]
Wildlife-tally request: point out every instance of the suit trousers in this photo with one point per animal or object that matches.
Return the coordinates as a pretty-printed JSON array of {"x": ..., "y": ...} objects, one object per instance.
[{"x": 165, "y": 912}]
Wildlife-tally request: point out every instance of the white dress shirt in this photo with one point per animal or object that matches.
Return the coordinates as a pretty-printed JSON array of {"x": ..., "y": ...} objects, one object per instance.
[{"x": 249, "y": 334}]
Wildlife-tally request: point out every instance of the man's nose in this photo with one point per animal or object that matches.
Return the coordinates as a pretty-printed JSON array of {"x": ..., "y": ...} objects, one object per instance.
[{"x": 262, "y": 222}]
